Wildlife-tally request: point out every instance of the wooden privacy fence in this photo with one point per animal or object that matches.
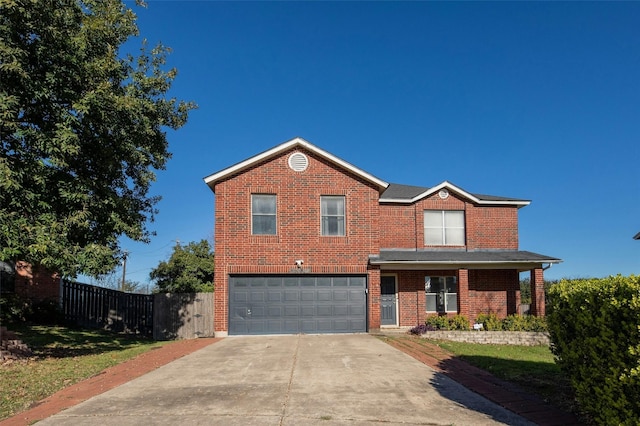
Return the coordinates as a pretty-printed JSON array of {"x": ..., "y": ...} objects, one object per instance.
[
  {"x": 182, "y": 315},
  {"x": 161, "y": 316},
  {"x": 97, "y": 307}
]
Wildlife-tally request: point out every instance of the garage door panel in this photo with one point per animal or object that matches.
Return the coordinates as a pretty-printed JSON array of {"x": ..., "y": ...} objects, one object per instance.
[
  {"x": 291, "y": 296},
  {"x": 297, "y": 304},
  {"x": 340, "y": 295},
  {"x": 274, "y": 295},
  {"x": 324, "y": 311},
  {"x": 308, "y": 311},
  {"x": 324, "y": 295},
  {"x": 356, "y": 311},
  {"x": 307, "y": 295}
]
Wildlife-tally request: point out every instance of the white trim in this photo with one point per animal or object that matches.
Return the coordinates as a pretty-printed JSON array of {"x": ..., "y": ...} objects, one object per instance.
[
  {"x": 211, "y": 180},
  {"x": 459, "y": 191}
]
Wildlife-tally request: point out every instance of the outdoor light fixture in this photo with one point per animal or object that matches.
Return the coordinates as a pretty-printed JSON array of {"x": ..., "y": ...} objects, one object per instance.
[{"x": 299, "y": 263}]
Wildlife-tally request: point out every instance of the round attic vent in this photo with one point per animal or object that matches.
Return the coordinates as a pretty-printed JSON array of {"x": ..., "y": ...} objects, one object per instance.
[
  {"x": 298, "y": 162},
  {"x": 444, "y": 194}
]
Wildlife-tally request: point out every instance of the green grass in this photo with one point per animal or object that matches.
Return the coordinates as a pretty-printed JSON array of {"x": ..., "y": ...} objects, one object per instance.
[
  {"x": 533, "y": 368},
  {"x": 63, "y": 356}
]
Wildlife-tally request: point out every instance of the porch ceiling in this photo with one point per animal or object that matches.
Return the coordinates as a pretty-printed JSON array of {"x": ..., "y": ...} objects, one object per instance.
[{"x": 451, "y": 259}]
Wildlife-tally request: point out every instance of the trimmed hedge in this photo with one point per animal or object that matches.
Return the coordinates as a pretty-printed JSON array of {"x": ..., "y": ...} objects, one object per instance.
[
  {"x": 491, "y": 322},
  {"x": 594, "y": 326}
]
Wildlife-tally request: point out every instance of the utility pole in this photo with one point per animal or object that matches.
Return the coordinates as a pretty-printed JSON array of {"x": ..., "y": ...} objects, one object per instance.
[{"x": 124, "y": 270}]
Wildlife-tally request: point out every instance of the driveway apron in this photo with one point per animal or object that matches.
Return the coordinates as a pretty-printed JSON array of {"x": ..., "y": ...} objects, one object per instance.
[{"x": 290, "y": 380}]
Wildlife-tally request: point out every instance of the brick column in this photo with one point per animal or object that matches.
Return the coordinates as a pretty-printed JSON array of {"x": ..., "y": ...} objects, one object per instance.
[
  {"x": 537, "y": 293},
  {"x": 374, "y": 297},
  {"x": 463, "y": 292}
]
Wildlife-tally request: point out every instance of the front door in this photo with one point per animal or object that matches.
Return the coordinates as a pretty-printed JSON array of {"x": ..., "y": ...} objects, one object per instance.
[{"x": 388, "y": 300}]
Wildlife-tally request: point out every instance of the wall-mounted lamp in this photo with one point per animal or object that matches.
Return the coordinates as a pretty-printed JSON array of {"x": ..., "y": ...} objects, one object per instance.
[{"x": 299, "y": 263}]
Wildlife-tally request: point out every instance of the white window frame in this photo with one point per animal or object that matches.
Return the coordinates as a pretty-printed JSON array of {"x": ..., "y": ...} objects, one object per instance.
[
  {"x": 442, "y": 281},
  {"x": 443, "y": 227},
  {"x": 254, "y": 214},
  {"x": 339, "y": 217}
]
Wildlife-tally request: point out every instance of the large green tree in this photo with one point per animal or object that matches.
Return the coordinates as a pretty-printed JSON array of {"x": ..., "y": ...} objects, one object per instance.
[
  {"x": 188, "y": 270},
  {"x": 83, "y": 130}
]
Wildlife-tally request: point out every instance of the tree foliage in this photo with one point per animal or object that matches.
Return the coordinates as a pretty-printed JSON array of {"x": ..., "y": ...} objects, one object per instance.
[
  {"x": 82, "y": 129},
  {"x": 188, "y": 270}
]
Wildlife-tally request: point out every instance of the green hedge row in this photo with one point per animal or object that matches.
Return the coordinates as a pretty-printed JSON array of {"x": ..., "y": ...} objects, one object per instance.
[
  {"x": 594, "y": 326},
  {"x": 490, "y": 322}
]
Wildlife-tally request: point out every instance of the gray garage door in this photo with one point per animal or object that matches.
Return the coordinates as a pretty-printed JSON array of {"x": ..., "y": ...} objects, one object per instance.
[{"x": 293, "y": 304}]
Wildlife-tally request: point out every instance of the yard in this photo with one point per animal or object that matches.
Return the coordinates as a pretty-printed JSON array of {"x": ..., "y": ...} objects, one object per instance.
[
  {"x": 532, "y": 368},
  {"x": 62, "y": 356}
]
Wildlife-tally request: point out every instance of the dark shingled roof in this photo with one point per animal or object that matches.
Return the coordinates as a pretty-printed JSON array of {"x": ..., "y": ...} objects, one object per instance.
[
  {"x": 443, "y": 256},
  {"x": 407, "y": 192},
  {"x": 637, "y": 237}
]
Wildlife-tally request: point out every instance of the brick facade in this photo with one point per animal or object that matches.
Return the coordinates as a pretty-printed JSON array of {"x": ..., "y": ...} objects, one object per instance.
[
  {"x": 298, "y": 226},
  {"x": 486, "y": 227},
  {"x": 371, "y": 225},
  {"x": 36, "y": 283}
]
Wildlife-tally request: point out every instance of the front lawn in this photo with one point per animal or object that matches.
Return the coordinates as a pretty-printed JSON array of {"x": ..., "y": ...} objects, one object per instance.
[
  {"x": 533, "y": 368},
  {"x": 62, "y": 356}
]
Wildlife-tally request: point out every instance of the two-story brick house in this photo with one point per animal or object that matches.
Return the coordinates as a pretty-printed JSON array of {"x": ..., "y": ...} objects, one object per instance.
[{"x": 309, "y": 243}]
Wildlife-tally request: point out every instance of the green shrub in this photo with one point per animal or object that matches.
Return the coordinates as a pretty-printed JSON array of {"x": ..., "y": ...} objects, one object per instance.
[
  {"x": 437, "y": 322},
  {"x": 459, "y": 322},
  {"x": 14, "y": 308},
  {"x": 524, "y": 323},
  {"x": 490, "y": 322},
  {"x": 594, "y": 325}
]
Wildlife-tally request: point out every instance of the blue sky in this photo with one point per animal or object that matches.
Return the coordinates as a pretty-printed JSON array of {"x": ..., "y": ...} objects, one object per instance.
[{"x": 536, "y": 100}]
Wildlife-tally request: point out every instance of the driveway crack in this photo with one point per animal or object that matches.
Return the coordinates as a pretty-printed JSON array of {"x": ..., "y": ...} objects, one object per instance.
[{"x": 288, "y": 394}]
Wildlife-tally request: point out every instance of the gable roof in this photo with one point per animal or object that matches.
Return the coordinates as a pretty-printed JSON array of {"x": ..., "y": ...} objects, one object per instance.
[
  {"x": 406, "y": 194},
  {"x": 211, "y": 180}
]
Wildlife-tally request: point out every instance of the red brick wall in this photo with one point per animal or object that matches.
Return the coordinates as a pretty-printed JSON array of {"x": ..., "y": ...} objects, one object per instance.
[
  {"x": 36, "y": 283},
  {"x": 493, "y": 291},
  {"x": 298, "y": 225},
  {"x": 489, "y": 291},
  {"x": 398, "y": 226},
  {"x": 487, "y": 227}
]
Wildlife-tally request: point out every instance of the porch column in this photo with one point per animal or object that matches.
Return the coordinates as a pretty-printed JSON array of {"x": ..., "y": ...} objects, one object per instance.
[
  {"x": 463, "y": 292},
  {"x": 537, "y": 293}
]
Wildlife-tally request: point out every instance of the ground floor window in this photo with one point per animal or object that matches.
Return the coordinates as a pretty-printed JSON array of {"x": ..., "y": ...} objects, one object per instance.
[{"x": 441, "y": 294}]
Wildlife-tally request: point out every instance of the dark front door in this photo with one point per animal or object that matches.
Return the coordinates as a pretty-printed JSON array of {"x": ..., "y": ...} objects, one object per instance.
[{"x": 388, "y": 300}]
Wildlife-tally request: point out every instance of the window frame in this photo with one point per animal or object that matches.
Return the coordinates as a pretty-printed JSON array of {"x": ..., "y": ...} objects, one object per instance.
[
  {"x": 255, "y": 215},
  {"x": 326, "y": 218},
  {"x": 443, "y": 227},
  {"x": 443, "y": 281}
]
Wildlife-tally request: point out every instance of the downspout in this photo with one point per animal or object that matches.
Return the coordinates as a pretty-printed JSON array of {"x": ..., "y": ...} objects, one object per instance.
[{"x": 549, "y": 266}]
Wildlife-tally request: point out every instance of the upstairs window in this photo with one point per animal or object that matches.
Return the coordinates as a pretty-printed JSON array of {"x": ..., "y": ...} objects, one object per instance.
[
  {"x": 444, "y": 227},
  {"x": 332, "y": 215},
  {"x": 263, "y": 214},
  {"x": 442, "y": 294}
]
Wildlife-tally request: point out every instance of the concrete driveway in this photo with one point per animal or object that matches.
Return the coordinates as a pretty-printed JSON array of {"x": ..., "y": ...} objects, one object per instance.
[{"x": 290, "y": 380}]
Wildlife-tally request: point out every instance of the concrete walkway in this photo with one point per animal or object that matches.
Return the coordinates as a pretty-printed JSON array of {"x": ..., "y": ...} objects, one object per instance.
[{"x": 291, "y": 380}]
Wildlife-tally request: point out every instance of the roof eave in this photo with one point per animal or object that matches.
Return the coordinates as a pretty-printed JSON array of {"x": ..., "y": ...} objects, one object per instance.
[
  {"x": 459, "y": 191},
  {"x": 213, "y": 179},
  {"x": 521, "y": 265}
]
